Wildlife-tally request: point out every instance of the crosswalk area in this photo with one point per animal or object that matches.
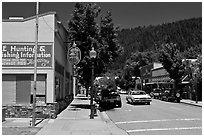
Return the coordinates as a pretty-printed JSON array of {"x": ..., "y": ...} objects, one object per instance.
[{"x": 162, "y": 126}]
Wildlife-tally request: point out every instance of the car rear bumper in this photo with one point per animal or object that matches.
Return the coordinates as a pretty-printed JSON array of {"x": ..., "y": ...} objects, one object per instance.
[
  {"x": 141, "y": 101},
  {"x": 110, "y": 101}
]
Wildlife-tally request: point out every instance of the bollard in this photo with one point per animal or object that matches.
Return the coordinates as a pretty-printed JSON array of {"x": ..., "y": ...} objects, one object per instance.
[
  {"x": 92, "y": 111},
  {"x": 95, "y": 110}
]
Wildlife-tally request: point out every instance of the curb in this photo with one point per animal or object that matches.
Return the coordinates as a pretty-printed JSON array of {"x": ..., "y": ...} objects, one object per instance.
[
  {"x": 191, "y": 104},
  {"x": 104, "y": 117},
  {"x": 43, "y": 123},
  {"x": 107, "y": 120}
]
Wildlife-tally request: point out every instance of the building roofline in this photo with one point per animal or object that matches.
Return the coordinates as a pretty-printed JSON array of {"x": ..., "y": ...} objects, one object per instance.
[
  {"x": 29, "y": 18},
  {"x": 33, "y": 17},
  {"x": 158, "y": 68}
]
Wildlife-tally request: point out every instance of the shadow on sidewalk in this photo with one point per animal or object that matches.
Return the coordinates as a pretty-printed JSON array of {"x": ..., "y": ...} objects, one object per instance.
[
  {"x": 83, "y": 106},
  {"x": 107, "y": 108},
  {"x": 82, "y": 98}
]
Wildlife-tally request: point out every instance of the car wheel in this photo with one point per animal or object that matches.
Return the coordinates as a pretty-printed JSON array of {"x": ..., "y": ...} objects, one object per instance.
[
  {"x": 132, "y": 101},
  {"x": 119, "y": 104},
  {"x": 127, "y": 100},
  {"x": 148, "y": 103}
]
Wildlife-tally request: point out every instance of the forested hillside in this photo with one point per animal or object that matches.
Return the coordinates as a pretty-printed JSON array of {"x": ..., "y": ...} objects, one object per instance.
[{"x": 187, "y": 34}]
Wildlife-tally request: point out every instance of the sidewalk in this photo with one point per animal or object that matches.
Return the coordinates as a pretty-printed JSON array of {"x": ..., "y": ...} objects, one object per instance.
[
  {"x": 191, "y": 102},
  {"x": 75, "y": 120}
]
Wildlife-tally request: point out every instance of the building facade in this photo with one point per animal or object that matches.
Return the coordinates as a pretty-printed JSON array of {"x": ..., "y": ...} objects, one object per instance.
[
  {"x": 54, "y": 72},
  {"x": 146, "y": 76},
  {"x": 161, "y": 78}
]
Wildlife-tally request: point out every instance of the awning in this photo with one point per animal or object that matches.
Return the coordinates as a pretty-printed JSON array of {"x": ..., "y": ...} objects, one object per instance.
[
  {"x": 185, "y": 82},
  {"x": 150, "y": 83}
]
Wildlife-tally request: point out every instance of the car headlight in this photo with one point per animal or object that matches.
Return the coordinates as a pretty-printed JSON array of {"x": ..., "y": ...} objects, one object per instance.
[{"x": 177, "y": 95}]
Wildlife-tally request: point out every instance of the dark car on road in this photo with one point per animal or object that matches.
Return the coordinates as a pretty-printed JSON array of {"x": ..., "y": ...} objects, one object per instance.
[
  {"x": 156, "y": 93},
  {"x": 171, "y": 95},
  {"x": 109, "y": 98}
]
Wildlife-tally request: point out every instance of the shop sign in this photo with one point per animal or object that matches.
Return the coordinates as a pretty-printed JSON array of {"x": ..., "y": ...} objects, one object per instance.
[
  {"x": 23, "y": 56},
  {"x": 74, "y": 55}
]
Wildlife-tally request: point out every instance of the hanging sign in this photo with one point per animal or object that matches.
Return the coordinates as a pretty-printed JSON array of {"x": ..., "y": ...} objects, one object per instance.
[{"x": 74, "y": 55}]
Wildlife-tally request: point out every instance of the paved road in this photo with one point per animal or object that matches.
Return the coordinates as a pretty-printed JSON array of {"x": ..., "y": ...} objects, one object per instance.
[{"x": 159, "y": 118}]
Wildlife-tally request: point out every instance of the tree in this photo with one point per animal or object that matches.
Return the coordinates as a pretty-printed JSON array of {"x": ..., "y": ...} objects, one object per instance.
[
  {"x": 137, "y": 60},
  {"x": 110, "y": 47},
  {"x": 186, "y": 33},
  {"x": 193, "y": 52},
  {"x": 86, "y": 32},
  {"x": 132, "y": 67},
  {"x": 170, "y": 58},
  {"x": 83, "y": 30},
  {"x": 194, "y": 71}
]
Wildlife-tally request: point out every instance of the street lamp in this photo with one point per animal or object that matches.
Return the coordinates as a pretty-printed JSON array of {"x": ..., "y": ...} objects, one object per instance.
[
  {"x": 92, "y": 56},
  {"x": 133, "y": 77},
  {"x": 140, "y": 82},
  {"x": 195, "y": 83}
]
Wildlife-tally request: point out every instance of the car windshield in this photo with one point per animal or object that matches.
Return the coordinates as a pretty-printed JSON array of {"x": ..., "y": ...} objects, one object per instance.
[
  {"x": 107, "y": 92},
  {"x": 138, "y": 93},
  {"x": 157, "y": 91}
]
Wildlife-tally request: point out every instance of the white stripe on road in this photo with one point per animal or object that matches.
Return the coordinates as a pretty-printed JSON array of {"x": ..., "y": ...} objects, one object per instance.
[
  {"x": 162, "y": 129},
  {"x": 163, "y": 120}
]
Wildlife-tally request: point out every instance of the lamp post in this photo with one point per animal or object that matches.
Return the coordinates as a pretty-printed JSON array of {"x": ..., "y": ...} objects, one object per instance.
[
  {"x": 74, "y": 81},
  {"x": 136, "y": 82},
  {"x": 133, "y": 77},
  {"x": 195, "y": 84},
  {"x": 140, "y": 82},
  {"x": 92, "y": 56}
]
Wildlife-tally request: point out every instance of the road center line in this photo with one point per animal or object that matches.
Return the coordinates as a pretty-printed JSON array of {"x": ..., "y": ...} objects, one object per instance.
[
  {"x": 162, "y": 129},
  {"x": 163, "y": 120}
]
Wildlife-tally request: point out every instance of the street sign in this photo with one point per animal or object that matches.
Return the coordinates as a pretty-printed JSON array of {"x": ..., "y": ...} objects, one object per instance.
[{"x": 74, "y": 55}]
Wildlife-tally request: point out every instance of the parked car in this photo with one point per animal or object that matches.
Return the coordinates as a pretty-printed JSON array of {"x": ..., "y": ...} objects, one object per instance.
[
  {"x": 138, "y": 96},
  {"x": 156, "y": 93},
  {"x": 122, "y": 91},
  {"x": 130, "y": 90},
  {"x": 171, "y": 95},
  {"x": 109, "y": 98}
]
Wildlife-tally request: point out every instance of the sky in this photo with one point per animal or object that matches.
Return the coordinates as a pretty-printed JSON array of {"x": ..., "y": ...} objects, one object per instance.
[{"x": 124, "y": 14}]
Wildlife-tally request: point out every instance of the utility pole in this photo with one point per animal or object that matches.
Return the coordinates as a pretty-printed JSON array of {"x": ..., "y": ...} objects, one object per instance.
[{"x": 35, "y": 66}]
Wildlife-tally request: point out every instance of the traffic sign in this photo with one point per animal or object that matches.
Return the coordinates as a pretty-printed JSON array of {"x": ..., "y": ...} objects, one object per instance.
[{"x": 74, "y": 55}]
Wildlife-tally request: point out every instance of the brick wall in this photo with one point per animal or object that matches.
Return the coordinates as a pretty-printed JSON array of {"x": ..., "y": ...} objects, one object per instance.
[{"x": 49, "y": 110}]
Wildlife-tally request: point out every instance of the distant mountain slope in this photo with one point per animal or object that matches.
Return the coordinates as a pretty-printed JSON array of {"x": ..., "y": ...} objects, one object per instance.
[{"x": 185, "y": 33}]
